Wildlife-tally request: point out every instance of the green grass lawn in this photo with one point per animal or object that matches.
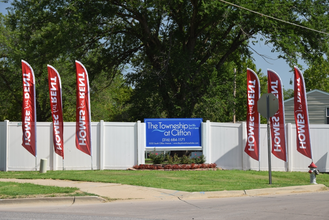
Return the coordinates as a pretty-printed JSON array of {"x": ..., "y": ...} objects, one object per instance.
[
  {"x": 10, "y": 190},
  {"x": 191, "y": 181}
]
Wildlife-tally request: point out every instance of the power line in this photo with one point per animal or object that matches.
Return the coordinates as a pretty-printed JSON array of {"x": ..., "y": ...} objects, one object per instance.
[{"x": 274, "y": 18}]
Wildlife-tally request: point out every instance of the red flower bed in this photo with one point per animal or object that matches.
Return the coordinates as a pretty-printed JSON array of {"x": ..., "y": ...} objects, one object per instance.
[{"x": 174, "y": 166}]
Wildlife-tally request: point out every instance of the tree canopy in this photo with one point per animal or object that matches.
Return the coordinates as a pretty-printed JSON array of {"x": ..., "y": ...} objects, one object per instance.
[
  {"x": 316, "y": 77},
  {"x": 180, "y": 53}
]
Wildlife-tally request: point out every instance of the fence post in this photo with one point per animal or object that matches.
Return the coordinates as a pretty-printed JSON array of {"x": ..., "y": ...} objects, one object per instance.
[
  {"x": 101, "y": 145},
  {"x": 205, "y": 139},
  {"x": 289, "y": 148},
  {"x": 243, "y": 140},
  {"x": 140, "y": 143},
  {"x": 52, "y": 155},
  {"x": 6, "y": 144}
]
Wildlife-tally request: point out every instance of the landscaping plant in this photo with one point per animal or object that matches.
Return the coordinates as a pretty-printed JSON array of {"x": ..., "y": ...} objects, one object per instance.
[{"x": 157, "y": 158}]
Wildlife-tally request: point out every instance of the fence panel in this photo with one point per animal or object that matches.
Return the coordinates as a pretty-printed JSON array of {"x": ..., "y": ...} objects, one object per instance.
[
  {"x": 120, "y": 150},
  {"x": 75, "y": 159},
  {"x": 276, "y": 163},
  {"x": 226, "y": 147},
  {"x": 320, "y": 146},
  {"x": 18, "y": 157}
]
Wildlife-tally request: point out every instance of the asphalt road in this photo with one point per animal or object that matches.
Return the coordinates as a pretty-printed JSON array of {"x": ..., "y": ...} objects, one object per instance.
[{"x": 292, "y": 206}]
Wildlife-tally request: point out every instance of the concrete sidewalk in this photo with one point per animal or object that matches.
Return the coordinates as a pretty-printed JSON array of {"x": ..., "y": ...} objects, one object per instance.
[{"x": 121, "y": 192}]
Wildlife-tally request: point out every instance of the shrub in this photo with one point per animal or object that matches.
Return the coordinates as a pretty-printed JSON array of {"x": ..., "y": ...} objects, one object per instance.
[
  {"x": 176, "y": 158},
  {"x": 185, "y": 160},
  {"x": 169, "y": 159},
  {"x": 200, "y": 160},
  {"x": 175, "y": 166},
  {"x": 157, "y": 158}
]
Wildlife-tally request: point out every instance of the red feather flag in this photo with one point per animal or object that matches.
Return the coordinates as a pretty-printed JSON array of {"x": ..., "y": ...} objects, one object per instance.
[
  {"x": 301, "y": 115},
  {"x": 55, "y": 94},
  {"x": 83, "y": 116},
  {"x": 278, "y": 129},
  {"x": 29, "y": 117},
  {"x": 253, "y": 117}
]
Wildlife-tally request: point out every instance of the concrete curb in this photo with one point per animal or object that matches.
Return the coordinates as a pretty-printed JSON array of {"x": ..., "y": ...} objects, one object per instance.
[
  {"x": 70, "y": 200},
  {"x": 253, "y": 192},
  {"x": 287, "y": 190}
]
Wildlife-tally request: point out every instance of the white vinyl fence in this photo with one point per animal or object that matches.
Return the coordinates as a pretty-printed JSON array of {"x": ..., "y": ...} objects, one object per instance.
[{"x": 120, "y": 145}]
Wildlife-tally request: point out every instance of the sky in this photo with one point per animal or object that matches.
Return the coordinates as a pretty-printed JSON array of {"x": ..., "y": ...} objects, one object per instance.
[
  {"x": 3, "y": 7},
  {"x": 278, "y": 65}
]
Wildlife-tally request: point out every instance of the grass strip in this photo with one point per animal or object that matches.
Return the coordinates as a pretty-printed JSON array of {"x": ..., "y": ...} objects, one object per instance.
[
  {"x": 10, "y": 190},
  {"x": 190, "y": 181}
]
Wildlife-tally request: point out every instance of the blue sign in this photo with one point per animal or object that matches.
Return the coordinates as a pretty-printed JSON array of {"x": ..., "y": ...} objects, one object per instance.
[{"x": 173, "y": 132}]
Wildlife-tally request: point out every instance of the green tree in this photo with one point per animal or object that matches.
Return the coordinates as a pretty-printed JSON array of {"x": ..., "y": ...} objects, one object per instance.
[
  {"x": 219, "y": 104},
  {"x": 10, "y": 95},
  {"x": 180, "y": 51},
  {"x": 287, "y": 94},
  {"x": 316, "y": 76},
  {"x": 107, "y": 99}
]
